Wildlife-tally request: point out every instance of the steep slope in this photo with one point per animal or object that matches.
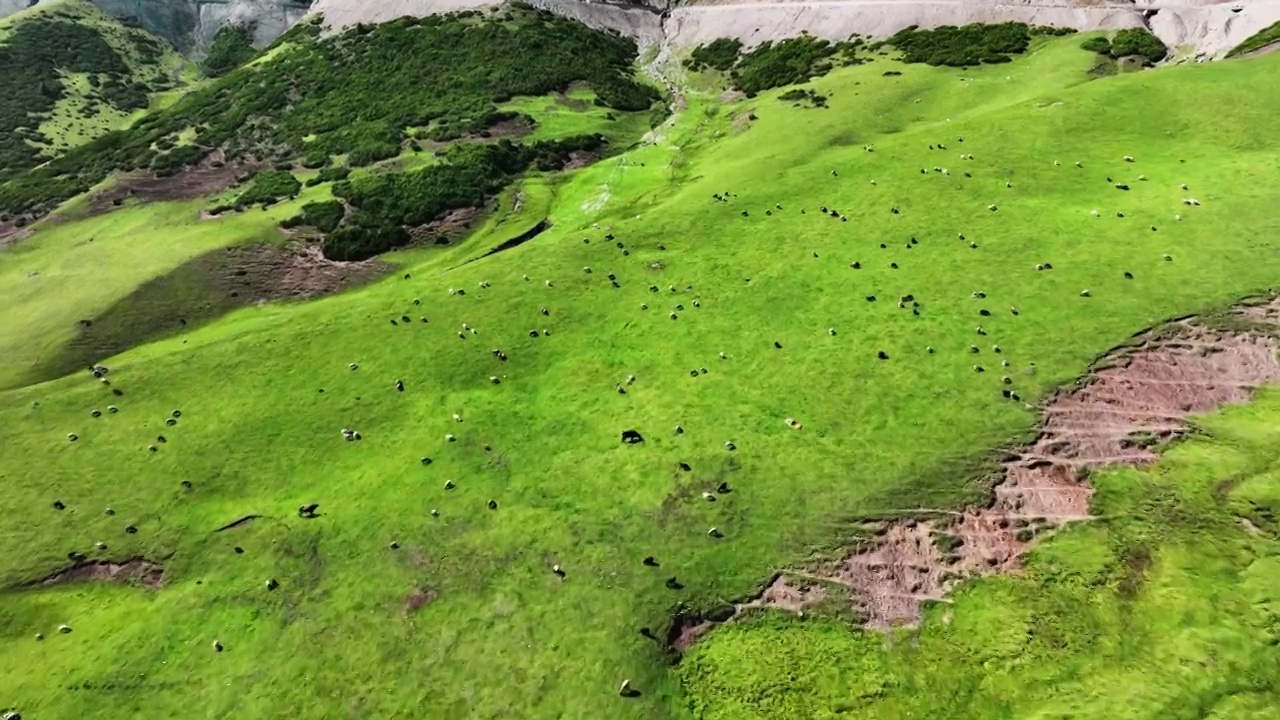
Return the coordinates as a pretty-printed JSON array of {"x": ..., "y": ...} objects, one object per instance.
[
  {"x": 487, "y": 543},
  {"x": 69, "y": 74}
]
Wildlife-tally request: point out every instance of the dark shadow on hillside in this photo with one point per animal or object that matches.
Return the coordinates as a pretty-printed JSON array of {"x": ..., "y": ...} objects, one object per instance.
[
  {"x": 521, "y": 239},
  {"x": 201, "y": 290}
]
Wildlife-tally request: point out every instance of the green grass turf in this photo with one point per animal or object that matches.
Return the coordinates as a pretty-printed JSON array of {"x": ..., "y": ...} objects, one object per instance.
[
  {"x": 504, "y": 637},
  {"x": 1166, "y": 607},
  {"x": 65, "y": 260}
]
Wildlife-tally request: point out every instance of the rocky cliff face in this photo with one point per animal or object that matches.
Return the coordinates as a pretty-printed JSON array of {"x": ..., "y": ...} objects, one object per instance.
[{"x": 1207, "y": 28}]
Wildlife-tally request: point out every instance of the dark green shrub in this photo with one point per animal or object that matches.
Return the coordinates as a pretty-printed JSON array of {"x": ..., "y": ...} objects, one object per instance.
[
  {"x": 267, "y": 187},
  {"x": 720, "y": 54},
  {"x": 323, "y": 216},
  {"x": 1051, "y": 31},
  {"x": 387, "y": 202},
  {"x": 231, "y": 48},
  {"x": 1140, "y": 42},
  {"x": 1099, "y": 45},
  {"x": 962, "y": 46},
  {"x": 791, "y": 61},
  {"x": 360, "y": 243},
  {"x": 336, "y": 174}
]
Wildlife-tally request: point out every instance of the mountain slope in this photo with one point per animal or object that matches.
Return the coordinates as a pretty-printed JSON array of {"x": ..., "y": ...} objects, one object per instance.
[
  {"x": 69, "y": 74},
  {"x": 479, "y": 550}
]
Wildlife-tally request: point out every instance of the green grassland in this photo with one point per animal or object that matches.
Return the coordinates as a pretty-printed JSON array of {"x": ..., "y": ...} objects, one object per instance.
[{"x": 500, "y": 635}]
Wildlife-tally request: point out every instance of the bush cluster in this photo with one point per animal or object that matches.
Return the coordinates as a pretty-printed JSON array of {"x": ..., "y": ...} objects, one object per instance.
[
  {"x": 772, "y": 65},
  {"x": 791, "y": 61},
  {"x": 323, "y": 216},
  {"x": 721, "y": 54},
  {"x": 267, "y": 188},
  {"x": 385, "y": 205},
  {"x": 334, "y": 174},
  {"x": 1130, "y": 42},
  {"x": 804, "y": 96},
  {"x": 231, "y": 48},
  {"x": 1140, "y": 42},
  {"x": 963, "y": 46},
  {"x": 321, "y": 97}
]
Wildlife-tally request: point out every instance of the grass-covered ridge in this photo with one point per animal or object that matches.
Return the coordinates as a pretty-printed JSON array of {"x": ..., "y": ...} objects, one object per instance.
[
  {"x": 69, "y": 74},
  {"x": 382, "y": 608},
  {"x": 316, "y": 98},
  {"x": 1265, "y": 37}
]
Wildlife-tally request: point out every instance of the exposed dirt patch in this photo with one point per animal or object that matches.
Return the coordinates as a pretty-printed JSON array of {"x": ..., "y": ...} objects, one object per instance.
[
  {"x": 451, "y": 228},
  {"x": 418, "y": 598},
  {"x": 1140, "y": 397},
  {"x": 572, "y": 103},
  {"x": 1137, "y": 397},
  {"x": 203, "y": 289},
  {"x": 11, "y": 234},
  {"x": 211, "y": 176},
  {"x": 136, "y": 570}
]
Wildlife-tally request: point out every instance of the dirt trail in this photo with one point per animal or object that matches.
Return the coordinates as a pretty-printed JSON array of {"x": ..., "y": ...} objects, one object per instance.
[{"x": 1136, "y": 398}]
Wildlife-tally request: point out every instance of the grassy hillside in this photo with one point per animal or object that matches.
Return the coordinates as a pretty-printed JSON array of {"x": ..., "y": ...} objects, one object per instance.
[
  {"x": 426, "y": 587},
  {"x": 69, "y": 74}
]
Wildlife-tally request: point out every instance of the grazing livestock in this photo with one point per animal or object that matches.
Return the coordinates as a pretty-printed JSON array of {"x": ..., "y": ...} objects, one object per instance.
[
  {"x": 631, "y": 437},
  {"x": 308, "y": 511}
]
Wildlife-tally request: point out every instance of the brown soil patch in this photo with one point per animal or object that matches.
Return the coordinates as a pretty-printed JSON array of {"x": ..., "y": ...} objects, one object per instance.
[
  {"x": 571, "y": 103},
  {"x": 453, "y": 226},
  {"x": 138, "y": 570},
  {"x": 418, "y": 598},
  {"x": 211, "y": 176},
  {"x": 1136, "y": 398},
  {"x": 1140, "y": 397}
]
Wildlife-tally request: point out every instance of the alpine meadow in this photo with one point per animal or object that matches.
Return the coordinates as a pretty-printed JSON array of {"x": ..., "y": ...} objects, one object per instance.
[{"x": 483, "y": 363}]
